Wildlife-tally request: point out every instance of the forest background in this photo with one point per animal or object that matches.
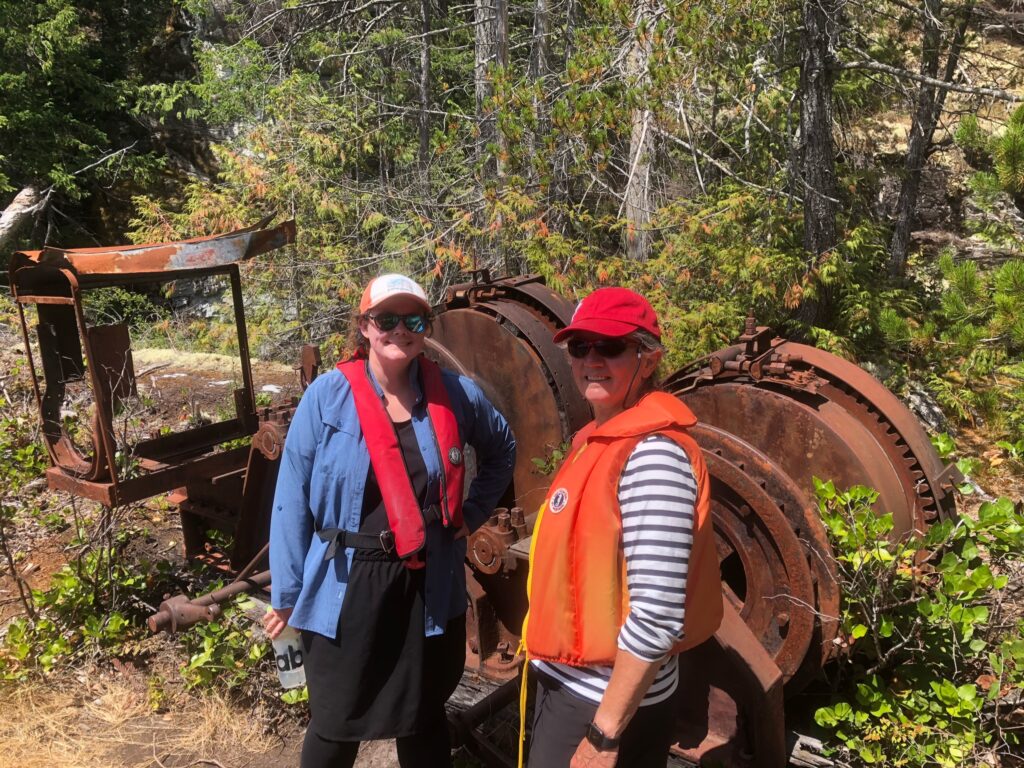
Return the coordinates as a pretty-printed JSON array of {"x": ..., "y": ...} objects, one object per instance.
[{"x": 851, "y": 172}]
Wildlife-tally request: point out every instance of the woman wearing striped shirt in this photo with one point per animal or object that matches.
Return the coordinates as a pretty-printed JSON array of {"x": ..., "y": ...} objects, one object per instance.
[{"x": 624, "y": 573}]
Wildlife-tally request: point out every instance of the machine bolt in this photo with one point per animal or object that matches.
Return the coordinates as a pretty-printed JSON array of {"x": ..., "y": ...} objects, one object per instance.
[{"x": 504, "y": 522}]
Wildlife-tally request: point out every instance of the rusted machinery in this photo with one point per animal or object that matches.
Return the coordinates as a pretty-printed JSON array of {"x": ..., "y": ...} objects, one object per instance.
[
  {"x": 774, "y": 414},
  {"x": 217, "y": 484}
]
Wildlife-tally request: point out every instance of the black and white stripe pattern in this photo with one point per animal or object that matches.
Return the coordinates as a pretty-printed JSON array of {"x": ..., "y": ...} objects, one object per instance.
[{"x": 657, "y": 495}]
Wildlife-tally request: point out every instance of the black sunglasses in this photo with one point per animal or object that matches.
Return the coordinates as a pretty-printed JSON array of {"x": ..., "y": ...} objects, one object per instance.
[
  {"x": 388, "y": 321},
  {"x": 607, "y": 348}
]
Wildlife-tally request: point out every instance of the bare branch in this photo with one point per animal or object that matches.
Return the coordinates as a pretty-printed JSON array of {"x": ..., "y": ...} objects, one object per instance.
[{"x": 876, "y": 66}]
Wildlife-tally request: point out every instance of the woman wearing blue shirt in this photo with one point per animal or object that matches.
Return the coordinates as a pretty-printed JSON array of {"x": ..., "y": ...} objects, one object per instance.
[{"x": 367, "y": 534}]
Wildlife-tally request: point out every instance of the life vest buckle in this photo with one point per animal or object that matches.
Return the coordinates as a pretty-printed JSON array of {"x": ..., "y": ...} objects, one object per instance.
[{"x": 387, "y": 541}]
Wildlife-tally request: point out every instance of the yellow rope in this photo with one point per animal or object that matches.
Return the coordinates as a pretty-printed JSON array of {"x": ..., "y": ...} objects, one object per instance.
[{"x": 523, "y": 691}]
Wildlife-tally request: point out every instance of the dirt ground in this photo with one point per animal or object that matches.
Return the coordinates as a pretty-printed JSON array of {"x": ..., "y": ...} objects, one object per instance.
[{"x": 93, "y": 722}]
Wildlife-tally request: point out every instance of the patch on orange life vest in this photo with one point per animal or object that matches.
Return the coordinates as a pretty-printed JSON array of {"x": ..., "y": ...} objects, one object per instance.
[{"x": 558, "y": 500}]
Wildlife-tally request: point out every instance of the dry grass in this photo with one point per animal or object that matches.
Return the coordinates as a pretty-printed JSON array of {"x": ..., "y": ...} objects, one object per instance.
[{"x": 109, "y": 723}]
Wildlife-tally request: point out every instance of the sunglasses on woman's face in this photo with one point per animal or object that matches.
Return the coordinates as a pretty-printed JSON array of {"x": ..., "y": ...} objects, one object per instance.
[
  {"x": 607, "y": 348},
  {"x": 388, "y": 321}
]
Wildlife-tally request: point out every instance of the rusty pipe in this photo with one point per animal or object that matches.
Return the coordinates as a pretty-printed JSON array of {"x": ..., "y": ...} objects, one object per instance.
[{"x": 178, "y": 612}]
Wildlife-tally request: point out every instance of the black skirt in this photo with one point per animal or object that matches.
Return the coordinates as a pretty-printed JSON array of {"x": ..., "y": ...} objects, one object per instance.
[
  {"x": 366, "y": 683},
  {"x": 380, "y": 678}
]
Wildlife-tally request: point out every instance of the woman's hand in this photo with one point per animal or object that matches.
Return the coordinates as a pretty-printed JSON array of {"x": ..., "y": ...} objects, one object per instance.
[
  {"x": 462, "y": 533},
  {"x": 587, "y": 756},
  {"x": 275, "y": 620}
]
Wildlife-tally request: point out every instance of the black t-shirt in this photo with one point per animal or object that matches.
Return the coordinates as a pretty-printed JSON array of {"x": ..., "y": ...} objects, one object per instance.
[{"x": 374, "y": 518}]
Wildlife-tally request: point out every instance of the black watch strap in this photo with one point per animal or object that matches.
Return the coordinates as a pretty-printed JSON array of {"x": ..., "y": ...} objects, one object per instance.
[{"x": 598, "y": 740}]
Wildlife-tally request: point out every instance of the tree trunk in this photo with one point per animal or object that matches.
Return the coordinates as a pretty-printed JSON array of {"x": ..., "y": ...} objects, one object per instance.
[
  {"x": 540, "y": 48},
  {"x": 930, "y": 101},
  {"x": 817, "y": 147},
  {"x": 558, "y": 197},
  {"x": 424, "y": 87},
  {"x": 538, "y": 74},
  {"x": 636, "y": 203},
  {"x": 491, "y": 50},
  {"x": 24, "y": 206}
]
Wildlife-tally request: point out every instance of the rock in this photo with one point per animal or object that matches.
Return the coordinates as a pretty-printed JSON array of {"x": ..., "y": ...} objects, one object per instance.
[
  {"x": 920, "y": 401},
  {"x": 880, "y": 371},
  {"x": 939, "y": 201}
]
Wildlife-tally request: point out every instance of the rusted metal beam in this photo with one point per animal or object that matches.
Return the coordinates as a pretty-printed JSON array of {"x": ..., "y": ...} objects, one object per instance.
[{"x": 186, "y": 255}]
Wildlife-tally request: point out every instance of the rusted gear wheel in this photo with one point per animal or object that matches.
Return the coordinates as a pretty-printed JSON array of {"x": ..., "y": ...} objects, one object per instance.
[
  {"x": 764, "y": 566},
  {"x": 500, "y": 334},
  {"x": 822, "y": 608},
  {"x": 895, "y": 427},
  {"x": 269, "y": 439}
]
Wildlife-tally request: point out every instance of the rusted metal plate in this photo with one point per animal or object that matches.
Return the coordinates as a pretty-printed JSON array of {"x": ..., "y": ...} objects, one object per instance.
[
  {"x": 112, "y": 356},
  {"x": 809, "y": 530},
  {"x": 538, "y": 333},
  {"x": 515, "y": 380},
  {"x": 194, "y": 254},
  {"x": 907, "y": 442},
  {"x": 732, "y": 713}
]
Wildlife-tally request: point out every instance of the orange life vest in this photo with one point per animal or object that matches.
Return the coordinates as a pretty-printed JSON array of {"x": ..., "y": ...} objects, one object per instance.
[
  {"x": 579, "y": 598},
  {"x": 405, "y": 514}
]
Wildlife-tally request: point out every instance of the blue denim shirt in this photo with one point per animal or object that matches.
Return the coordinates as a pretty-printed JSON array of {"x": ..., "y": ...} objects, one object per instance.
[{"x": 320, "y": 485}]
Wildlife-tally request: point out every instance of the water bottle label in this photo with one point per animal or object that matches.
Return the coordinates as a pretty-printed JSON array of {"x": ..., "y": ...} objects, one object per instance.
[{"x": 290, "y": 659}]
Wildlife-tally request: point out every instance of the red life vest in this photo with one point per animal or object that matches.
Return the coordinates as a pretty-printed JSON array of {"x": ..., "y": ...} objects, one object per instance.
[
  {"x": 405, "y": 515},
  {"x": 577, "y": 587}
]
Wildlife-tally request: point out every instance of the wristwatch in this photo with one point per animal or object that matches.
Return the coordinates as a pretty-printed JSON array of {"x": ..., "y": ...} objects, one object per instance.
[{"x": 598, "y": 740}]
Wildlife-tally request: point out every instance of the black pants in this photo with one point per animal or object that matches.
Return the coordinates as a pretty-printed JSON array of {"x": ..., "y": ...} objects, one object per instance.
[
  {"x": 560, "y": 722},
  {"x": 429, "y": 746},
  {"x": 429, "y": 749}
]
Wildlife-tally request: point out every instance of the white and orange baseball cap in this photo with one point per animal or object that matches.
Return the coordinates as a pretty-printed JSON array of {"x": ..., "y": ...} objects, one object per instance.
[{"x": 385, "y": 287}]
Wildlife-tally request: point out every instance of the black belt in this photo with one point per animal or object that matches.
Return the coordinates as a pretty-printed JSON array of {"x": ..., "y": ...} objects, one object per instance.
[{"x": 382, "y": 543}]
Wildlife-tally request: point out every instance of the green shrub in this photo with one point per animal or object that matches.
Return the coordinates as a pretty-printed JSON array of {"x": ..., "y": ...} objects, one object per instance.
[
  {"x": 224, "y": 652},
  {"x": 108, "y": 306},
  {"x": 1009, "y": 156},
  {"x": 94, "y": 604},
  {"x": 975, "y": 143},
  {"x": 927, "y": 656}
]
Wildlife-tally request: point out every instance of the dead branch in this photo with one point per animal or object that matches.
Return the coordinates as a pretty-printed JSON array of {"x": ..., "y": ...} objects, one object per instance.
[{"x": 876, "y": 66}]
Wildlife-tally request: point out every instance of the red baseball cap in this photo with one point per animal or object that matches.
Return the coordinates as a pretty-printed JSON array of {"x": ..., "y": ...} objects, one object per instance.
[{"x": 612, "y": 312}]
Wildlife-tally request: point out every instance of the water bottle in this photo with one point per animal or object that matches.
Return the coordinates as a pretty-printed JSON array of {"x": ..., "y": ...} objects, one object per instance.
[{"x": 288, "y": 658}]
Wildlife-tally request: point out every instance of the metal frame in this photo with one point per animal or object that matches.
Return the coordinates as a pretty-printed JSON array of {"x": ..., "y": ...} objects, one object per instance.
[{"x": 54, "y": 281}]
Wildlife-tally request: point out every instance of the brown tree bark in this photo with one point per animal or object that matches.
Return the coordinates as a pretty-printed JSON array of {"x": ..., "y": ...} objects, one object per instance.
[
  {"x": 817, "y": 147},
  {"x": 816, "y": 140}
]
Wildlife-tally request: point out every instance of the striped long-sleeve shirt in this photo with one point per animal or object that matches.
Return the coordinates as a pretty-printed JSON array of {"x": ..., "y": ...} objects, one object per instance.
[{"x": 657, "y": 494}]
